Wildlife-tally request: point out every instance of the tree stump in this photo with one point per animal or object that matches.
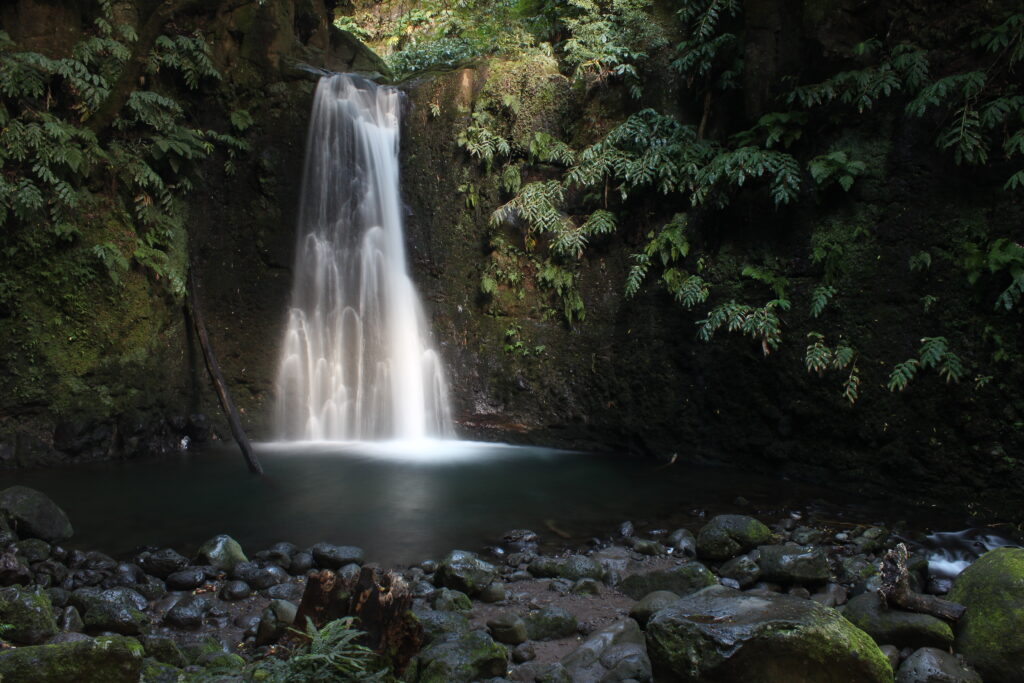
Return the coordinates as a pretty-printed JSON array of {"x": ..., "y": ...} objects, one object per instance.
[
  {"x": 379, "y": 600},
  {"x": 895, "y": 589}
]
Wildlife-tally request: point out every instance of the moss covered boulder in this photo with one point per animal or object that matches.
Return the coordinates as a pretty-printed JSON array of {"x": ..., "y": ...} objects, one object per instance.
[
  {"x": 465, "y": 571},
  {"x": 726, "y": 536},
  {"x": 222, "y": 552},
  {"x": 989, "y": 634},
  {"x": 459, "y": 658},
  {"x": 721, "y": 634},
  {"x": 29, "y": 613},
  {"x": 33, "y": 515},
  {"x": 114, "y": 659}
]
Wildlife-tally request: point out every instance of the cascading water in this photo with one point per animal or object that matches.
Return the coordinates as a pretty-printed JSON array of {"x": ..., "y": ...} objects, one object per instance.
[{"x": 357, "y": 362}]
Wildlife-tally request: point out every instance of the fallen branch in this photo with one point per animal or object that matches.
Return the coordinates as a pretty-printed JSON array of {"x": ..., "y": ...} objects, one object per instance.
[
  {"x": 218, "y": 379},
  {"x": 895, "y": 589}
]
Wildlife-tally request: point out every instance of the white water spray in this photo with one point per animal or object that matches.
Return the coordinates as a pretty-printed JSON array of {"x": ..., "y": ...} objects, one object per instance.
[{"x": 357, "y": 363}]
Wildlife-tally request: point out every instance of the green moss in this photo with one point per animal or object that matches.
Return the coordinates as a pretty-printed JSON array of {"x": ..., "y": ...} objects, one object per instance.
[
  {"x": 114, "y": 659},
  {"x": 988, "y": 635}
]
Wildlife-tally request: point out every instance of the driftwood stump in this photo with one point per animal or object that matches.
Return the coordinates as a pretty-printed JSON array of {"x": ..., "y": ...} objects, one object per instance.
[
  {"x": 379, "y": 600},
  {"x": 895, "y": 589}
]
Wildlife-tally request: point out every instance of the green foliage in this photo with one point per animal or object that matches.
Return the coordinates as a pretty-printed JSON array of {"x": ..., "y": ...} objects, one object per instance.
[
  {"x": 607, "y": 40},
  {"x": 562, "y": 283},
  {"x": 1002, "y": 257},
  {"x": 934, "y": 353},
  {"x": 516, "y": 346},
  {"x": 483, "y": 143},
  {"x": 52, "y": 163},
  {"x": 777, "y": 282},
  {"x": 820, "y": 358},
  {"x": 762, "y": 324},
  {"x": 922, "y": 260},
  {"x": 332, "y": 653},
  {"x": 670, "y": 246},
  {"x": 820, "y": 298},
  {"x": 836, "y": 167},
  {"x": 709, "y": 55}
]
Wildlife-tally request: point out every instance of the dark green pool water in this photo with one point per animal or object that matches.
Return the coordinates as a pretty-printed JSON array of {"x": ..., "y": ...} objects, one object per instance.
[{"x": 405, "y": 503}]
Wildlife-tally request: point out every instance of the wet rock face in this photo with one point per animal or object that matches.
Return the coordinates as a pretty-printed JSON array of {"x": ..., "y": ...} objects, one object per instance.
[
  {"x": 989, "y": 633},
  {"x": 723, "y": 634},
  {"x": 33, "y": 515}
]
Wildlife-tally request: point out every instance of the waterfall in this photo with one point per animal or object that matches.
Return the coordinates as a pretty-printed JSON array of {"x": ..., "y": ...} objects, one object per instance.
[{"x": 357, "y": 361}]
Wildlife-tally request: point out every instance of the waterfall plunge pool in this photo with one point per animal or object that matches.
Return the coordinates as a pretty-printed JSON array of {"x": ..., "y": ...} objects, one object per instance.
[{"x": 405, "y": 502}]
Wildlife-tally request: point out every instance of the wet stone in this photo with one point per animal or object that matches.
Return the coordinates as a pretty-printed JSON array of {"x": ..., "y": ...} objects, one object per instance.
[
  {"x": 162, "y": 563},
  {"x": 188, "y": 612},
  {"x": 683, "y": 542},
  {"x": 742, "y": 569},
  {"x": 329, "y": 556},
  {"x": 508, "y": 628},
  {"x": 285, "y": 591},
  {"x": 186, "y": 579},
  {"x": 222, "y": 552},
  {"x": 793, "y": 564},
  {"x": 551, "y": 623},
  {"x": 235, "y": 590},
  {"x": 651, "y": 603},
  {"x": 33, "y": 549},
  {"x": 495, "y": 592},
  {"x": 931, "y": 665},
  {"x": 301, "y": 563}
]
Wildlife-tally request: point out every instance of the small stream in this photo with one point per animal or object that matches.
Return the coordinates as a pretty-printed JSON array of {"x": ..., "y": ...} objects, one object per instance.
[{"x": 406, "y": 502}]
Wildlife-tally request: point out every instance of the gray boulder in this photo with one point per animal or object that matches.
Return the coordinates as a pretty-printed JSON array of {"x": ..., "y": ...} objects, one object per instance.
[
  {"x": 29, "y": 613},
  {"x": 741, "y": 569},
  {"x": 681, "y": 580},
  {"x": 550, "y": 623},
  {"x": 115, "y": 611},
  {"x": 727, "y": 536},
  {"x": 720, "y": 634},
  {"x": 793, "y": 564},
  {"x": 929, "y": 665},
  {"x": 893, "y": 626},
  {"x": 332, "y": 556},
  {"x": 33, "y": 515},
  {"x": 574, "y": 568},
  {"x": 651, "y": 603},
  {"x": 612, "y": 655},
  {"x": 464, "y": 571},
  {"x": 989, "y": 633},
  {"x": 508, "y": 628},
  {"x": 222, "y": 552},
  {"x": 468, "y": 656}
]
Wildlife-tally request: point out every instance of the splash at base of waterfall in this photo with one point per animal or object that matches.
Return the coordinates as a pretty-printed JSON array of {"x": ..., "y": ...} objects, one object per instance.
[{"x": 358, "y": 362}]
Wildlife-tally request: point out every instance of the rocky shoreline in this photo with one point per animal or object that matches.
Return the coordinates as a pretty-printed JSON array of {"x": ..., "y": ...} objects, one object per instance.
[{"x": 737, "y": 600}]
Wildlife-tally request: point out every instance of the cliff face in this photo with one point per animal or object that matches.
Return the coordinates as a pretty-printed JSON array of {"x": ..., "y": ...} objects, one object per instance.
[
  {"x": 98, "y": 369},
  {"x": 110, "y": 372}
]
